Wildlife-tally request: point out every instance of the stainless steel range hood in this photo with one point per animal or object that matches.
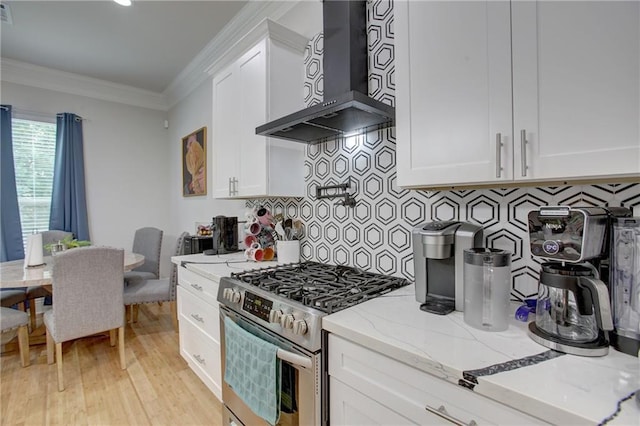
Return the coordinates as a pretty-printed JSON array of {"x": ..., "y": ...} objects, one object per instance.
[{"x": 346, "y": 108}]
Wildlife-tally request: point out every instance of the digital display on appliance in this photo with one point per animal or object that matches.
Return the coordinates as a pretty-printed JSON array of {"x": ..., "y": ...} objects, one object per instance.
[
  {"x": 257, "y": 305},
  {"x": 551, "y": 247}
]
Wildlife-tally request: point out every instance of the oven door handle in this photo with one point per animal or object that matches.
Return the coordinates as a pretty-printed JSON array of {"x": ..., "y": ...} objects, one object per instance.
[{"x": 294, "y": 359}]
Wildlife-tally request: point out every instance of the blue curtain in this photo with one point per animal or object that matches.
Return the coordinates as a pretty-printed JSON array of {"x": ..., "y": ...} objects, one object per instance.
[
  {"x": 10, "y": 229},
  {"x": 68, "y": 199}
]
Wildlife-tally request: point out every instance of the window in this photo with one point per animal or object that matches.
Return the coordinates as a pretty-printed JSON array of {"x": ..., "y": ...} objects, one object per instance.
[{"x": 34, "y": 148}]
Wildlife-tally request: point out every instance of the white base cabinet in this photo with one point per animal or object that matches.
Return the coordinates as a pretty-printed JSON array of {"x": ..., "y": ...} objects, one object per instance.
[
  {"x": 264, "y": 83},
  {"x": 199, "y": 326},
  {"x": 505, "y": 92},
  {"x": 368, "y": 388}
]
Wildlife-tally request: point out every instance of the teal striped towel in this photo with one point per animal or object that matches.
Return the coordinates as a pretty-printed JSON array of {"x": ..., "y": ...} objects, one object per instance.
[{"x": 251, "y": 369}]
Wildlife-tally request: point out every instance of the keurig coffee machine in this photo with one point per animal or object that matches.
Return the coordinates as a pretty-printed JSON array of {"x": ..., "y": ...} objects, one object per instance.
[{"x": 438, "y": 257}]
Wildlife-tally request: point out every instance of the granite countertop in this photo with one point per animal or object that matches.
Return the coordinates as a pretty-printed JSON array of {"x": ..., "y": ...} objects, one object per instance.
[
  {"x": 506, "y": 366},
  {"x": 217, "y": 266}
]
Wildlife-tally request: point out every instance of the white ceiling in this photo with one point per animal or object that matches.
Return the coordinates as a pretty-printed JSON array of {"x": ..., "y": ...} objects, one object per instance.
[{"x": 145, "y": 45}]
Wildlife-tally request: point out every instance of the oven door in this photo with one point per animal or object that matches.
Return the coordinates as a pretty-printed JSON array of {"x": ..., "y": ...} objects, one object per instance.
[{"x": 304, "y": 372}]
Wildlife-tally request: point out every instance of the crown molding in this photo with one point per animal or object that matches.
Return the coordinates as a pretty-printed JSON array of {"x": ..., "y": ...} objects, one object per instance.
[
  {"x": 266, "y": 28},
  {"x": 26, "y": 74},
  {"x": 193, "y": 75},
  {"x": 218, "y": 49}
]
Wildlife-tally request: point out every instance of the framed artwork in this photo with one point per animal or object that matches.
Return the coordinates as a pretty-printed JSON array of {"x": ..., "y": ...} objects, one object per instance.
[{"x": 194, "y": 163}]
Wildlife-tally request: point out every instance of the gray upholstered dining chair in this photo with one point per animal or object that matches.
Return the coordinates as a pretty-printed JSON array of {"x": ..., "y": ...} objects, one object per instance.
[
  {"x": 147, "y": 242},
  {"x": 87, "y": 288},
  {"x": 48, "y": 237},
  {"x": 140, "y": 291},
  {"x": 11, "y": 319},
  {"x": 13, "y": 296}
]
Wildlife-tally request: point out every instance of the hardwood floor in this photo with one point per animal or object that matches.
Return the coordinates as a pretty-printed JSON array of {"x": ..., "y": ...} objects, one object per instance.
[{"x": 156, "y": 388}]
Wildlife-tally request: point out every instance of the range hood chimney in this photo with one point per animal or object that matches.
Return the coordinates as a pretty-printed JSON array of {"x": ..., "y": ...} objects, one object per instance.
[{"x": 346, "y": 108}]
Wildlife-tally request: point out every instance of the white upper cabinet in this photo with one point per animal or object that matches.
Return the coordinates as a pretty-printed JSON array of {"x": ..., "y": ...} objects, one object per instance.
[
  {"x": 453, "y": 91},
  {"x": 264, "y": 83},
  {"x": 499, "y": 91},
  {"x": 576, "y": 88}
]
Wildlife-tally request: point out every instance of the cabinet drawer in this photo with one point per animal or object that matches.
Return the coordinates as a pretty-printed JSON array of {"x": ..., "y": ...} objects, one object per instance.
[
  {"x": 204, "y": 288},
  {"x": 414, "y": 393},
  {"x": 350, "y": 407},
  {"x": 201, "y": 314},
  {"x": 202, "y": 354}
]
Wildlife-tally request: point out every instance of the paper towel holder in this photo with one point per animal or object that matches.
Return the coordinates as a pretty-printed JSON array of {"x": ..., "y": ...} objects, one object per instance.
[{"x": 34, "y": 253}]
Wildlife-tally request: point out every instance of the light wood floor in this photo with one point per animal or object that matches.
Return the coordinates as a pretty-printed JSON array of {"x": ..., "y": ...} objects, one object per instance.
[{"x": 156, "y": 388}]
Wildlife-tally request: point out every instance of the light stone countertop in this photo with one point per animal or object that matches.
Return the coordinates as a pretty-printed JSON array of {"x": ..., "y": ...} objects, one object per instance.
[
  {"x": 218, "y": 266},
  {"x": 564, "y": 389}
]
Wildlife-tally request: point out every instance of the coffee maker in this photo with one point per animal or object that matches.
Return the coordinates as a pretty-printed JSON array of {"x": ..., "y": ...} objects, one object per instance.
[
  {"x": 624, "y": 284},
  {"x": 573, "y": 311},
  {"x": 225, "y": 234},
  {"x": 438, "y": 257}
]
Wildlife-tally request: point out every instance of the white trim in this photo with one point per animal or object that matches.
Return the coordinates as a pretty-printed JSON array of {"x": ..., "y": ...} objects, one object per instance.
[
  {"x": 243, "y": 23},
  {"x": 266, "y": 28},
  {"x": 46, "y": 78},
  {"x": 194, "y": 74}
]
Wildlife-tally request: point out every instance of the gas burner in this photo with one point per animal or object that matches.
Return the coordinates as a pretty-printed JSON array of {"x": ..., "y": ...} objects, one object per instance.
[{"x": 328, "y": 288}]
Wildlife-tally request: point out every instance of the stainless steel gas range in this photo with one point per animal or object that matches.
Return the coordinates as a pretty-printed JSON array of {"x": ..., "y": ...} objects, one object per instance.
[{"x": 284, "y": 306}]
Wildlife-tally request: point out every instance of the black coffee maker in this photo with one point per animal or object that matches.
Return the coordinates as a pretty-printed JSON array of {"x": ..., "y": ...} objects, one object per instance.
[
  {"x": 225, "y": 234},
  {"x": 573, "y": 312}
]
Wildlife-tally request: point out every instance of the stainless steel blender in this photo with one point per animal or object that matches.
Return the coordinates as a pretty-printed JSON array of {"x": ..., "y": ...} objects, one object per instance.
[
  {"x": 573, "y": 309},
  {"x": 624, "y": 282}
]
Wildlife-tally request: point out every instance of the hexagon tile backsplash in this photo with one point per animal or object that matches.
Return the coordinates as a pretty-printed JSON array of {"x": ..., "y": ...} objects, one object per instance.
[{"x": 376, "y": 234}]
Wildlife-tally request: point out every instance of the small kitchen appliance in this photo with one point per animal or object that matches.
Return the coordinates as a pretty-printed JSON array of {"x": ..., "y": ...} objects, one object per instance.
[
  {"x": 438, "y": 259},
  {"x": 194, "y": 244},
  {"x": 225, "y": 234},
  {"x": 487, "y": 288},
  {"x": 284, "y": 305},
  {"x": 573, "y": 311},
  {"x": 624, "y": 285}
]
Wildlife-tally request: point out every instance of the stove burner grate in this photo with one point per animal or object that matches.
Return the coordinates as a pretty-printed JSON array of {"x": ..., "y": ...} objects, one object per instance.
[{"x": 328, "y": 288}]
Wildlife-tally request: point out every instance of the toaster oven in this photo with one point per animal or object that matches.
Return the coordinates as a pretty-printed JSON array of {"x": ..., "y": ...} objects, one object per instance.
[{"x": 194, "y": 244}]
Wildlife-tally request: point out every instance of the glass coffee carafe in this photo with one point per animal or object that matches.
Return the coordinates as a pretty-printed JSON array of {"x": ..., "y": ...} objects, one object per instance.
[{"x": 572, "y": 307}]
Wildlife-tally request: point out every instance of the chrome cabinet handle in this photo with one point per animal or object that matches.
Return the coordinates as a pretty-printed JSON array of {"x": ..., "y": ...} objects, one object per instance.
[
  {"x": 233, "y": 186},
  {"x": 523, "y": 151},
  {"x": 199, "y": 359},
  {"x": 498, "y": 154},
  {"x": 197, "y": 318},
  {"x": 197, "y": 287},
  {"x": 442, "y": 412}
]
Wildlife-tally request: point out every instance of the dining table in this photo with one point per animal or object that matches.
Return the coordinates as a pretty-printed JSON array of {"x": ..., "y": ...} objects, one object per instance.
[{"x": 15, "y": 274}]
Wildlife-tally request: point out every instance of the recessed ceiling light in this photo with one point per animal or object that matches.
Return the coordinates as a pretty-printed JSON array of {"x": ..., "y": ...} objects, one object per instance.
[{"x": 123, "y": 2}]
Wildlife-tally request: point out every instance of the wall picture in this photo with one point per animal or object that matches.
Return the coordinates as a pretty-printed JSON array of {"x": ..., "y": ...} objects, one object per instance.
[{"x": 194, "y": 163}]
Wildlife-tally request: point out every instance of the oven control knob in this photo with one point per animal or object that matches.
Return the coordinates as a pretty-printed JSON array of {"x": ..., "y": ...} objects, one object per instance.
[
  {"x": 226, "y": 293},
  {"x": 275, "y": 315},
  {"x": 300, "y": 327},
  {"x": 286, "y": 321},
  {"x": 235, "y": 296}
]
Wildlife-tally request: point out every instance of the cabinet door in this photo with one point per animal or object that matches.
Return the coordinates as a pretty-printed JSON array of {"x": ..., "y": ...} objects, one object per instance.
[
  {"x": 225, "y": 134},
  {"x": 252, "y": 98},
  {"x": 453, "y": 88},
  {"x": 576, "y": 88}
]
